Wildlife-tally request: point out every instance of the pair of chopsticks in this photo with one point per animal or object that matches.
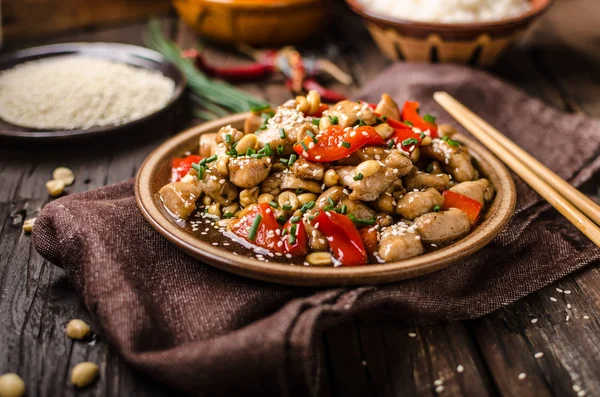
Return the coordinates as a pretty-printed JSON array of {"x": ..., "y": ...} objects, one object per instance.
[{"x": 570, "y": 202}]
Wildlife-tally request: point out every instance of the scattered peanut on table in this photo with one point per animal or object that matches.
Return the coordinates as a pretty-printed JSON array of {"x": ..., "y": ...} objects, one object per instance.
[
  {"x": 77, "y": 329},
  {"x": 28, "y": 225},
  {"x": 62, "y": 176},
  {"x": 11, "y": 385},
  {"x": 84, "y": 374}
]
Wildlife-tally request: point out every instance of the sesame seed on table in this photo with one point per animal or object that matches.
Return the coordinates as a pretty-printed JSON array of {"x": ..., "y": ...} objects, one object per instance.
[{"x": 543, "y": 345}]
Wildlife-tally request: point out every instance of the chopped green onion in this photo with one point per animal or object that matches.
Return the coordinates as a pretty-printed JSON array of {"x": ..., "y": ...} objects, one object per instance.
[
  {"x": 344, "y": 209},
  {"x": 410, "y": 141},
  {"x": 422, "y": 135},
  {"x": 328, "y": 208},
  {"x": 307, "y": 206},
  {"x": 280, "y": 150},
  {"x": 295, "y": 219},
  {"x": 292, "y": 236},
  {"x": 284, "y": 161},
  {"x": 282, "y": 133},
  {"x": 299, "y": 190},
  {"x": 391, "y": 143},
  {"x": 316, "y": 121},
  {"x": 287, "y": 207},
  {"x": 254, "y": 228},
  {"x": 346, "y": 144},
  {"x": 450, "y": 142},
  {"x": 429, "y": 168},
  {"x": 429, "y": 118},
  {"x": 262, "y": 128},
  {"x": 359, "y": 177},
  {"x": 232, "y": 153},
  {"x": 408, "y": 123},
  {"x": 257, "y": 156},
  {"x": 334, "y": 120},
  {"x": 360, "y": 123},
  {"x": 330, "y": 201},
  {"x": 228, "y": 138},
  {"x": 259, "y": 109},
  {"x": 436, "y": 208},
  {"x": 361, "y": 221},
  {"x": 228, "y": 215},
  {"x": 273, "y": 204},
  {"x": 212, "y": 158},
  {"x": 304, "y": 146},
  {"x": 268, "y": 150},
  {"x": 281, "y": 220},
  {"x": 250, "y": 151},
  {"x": 384, "y": 118},
  {"x": 292, "y": 159}
]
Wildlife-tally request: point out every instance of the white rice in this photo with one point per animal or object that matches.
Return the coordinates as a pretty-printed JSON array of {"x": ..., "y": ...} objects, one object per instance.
[
  {"x": 80, "y": 92},
  {"x": 449, "y": 11}
]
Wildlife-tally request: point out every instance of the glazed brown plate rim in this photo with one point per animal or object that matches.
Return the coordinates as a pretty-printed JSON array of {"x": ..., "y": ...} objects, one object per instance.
[
  {"x": 497, "y": 216},
  {"x": 369, "y": 14}
]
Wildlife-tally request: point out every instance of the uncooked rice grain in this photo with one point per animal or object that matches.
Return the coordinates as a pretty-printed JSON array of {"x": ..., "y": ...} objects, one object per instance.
[{"x": 77, "y": 92}]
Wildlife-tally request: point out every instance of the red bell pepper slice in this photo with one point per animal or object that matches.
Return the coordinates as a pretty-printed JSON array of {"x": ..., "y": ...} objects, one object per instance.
[
  {"x": 404, "y": 135},
  {"x": 335, "y": 143},
  {"x": 410, "y": 114},
  {"x": 343, "y": 237},
  {"x": 370, "y": 239},
  {"x": 266, "y": 235},
  {"x": 180, "y": 166},
  {"x": 298, "y": 245},
  {"x": 466, "y": 204}
]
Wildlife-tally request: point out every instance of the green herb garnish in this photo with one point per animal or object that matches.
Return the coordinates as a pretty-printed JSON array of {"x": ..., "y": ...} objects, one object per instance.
[
  {"x": 282, "y": 133},
  {"x": 346, "y": 144},
  {"x": 450, "y": 141},
  {"x": 334, "y": 120},
  {"x": 408, "y": 123},
  {"x": 429, "y": 118},
  {"x": 410, "y": 141},
  {"x": 268, "y": 150},
  {"x": 304, "y": 146},
  {"x": 358, "y": 177},
  {"x": 273, "y": 204},
  {"x": 316, "y": 121},
  {"x": 436, "y": 208},
  {"x": 292, "y": 159},
  {"x": 361, "y": 221},
  {"x": 287, "y": 207},
  {"x": 280, "y": 150},
  {"x": 254, "y": 228}
]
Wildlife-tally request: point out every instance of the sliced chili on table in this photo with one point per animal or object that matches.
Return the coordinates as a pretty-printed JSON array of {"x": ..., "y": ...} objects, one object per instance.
[
  {"x": 259, "y": 226},
  {"x": 466, "y": 204},
  {"x": 336, "y": 143},
  {"x": 180, "y": 166},
  {"x": 343, "y": 237}
]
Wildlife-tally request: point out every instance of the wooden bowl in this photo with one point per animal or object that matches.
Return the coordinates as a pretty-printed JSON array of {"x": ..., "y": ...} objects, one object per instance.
[
  {"x": 156, "y": 170},
  {"x": 255, "y": 22},
  {"x": 472, "y": 43}
]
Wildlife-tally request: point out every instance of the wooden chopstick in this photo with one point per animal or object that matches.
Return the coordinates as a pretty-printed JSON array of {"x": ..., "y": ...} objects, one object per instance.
[{"x": 542, "y": 180}]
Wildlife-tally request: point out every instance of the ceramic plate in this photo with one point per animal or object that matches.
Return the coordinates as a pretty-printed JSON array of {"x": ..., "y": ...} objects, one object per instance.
[
  {"x": 124, "y": 53},
  {"x": 156, "y": 171}
]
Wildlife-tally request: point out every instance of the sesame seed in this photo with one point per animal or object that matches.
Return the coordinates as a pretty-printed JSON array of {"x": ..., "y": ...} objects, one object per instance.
[
  {"x": 576, "y": 388},
  {"x": 586, "y": 317},
  {"x": 568, "y": 306},
  {"x": 438, "y": 382},
  {"x": 439, "y": 389},
  {"x": 568, "y": 292},
  {"x": 581, "y": 393},
  {"x": 553, "y": 299},
  {"x": 538, "y": 355},
  {"x": 364, "y": 363},
  {"x": 460, "y": 369},
  {"x": 534, "y": 320},
  {"x": 522, "y": 375},
  {"x": 559, "y": 290},
  {"x": 567, "y": 318},
  {"x": 412, "y": 334}
]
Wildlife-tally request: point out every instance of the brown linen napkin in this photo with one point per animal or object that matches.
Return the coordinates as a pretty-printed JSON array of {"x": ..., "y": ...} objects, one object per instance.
[{"x": 211, "y": 333}]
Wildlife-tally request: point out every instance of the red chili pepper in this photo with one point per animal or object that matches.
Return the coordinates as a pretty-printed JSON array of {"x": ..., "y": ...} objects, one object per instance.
[
  {"x": 343, "y": 237},
  {"x": 335, "y": 143},
  {"x": 466, "y": 204},
  {"x": 299, "y": 244},
  {"x": 251, "y": 71},
  {"x": 370, "y": 239},
  {"x": 319, "y": 113},
  {"x": 404, "y": 135},
  {"x": 180, "y": 166},
  {"x": 326, "y": 94},
  {"x": 410, "y": 114},
  {"x": 266, "y": 235}
]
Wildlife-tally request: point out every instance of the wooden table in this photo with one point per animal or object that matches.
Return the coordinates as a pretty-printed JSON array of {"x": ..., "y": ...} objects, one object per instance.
[{"x": 558, "y": 63}]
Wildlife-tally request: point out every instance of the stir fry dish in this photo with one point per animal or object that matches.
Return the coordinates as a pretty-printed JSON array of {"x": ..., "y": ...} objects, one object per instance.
[{"x": 342, "y": 185}]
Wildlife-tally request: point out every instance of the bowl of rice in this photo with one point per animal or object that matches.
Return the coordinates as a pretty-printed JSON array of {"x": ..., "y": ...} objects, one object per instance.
[{"x": 474, "y": 32}]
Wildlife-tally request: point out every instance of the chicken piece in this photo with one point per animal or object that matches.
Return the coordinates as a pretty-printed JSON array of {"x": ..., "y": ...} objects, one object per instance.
[
  {"x": 388, "y": 107},
  {"x": 316, "y": 239},
  {"x": 399, "y": 241},
  {"x": 454, "y": 159},
  {"x": 220, "y": 190},
  {"x": 294, "y": 124},
  {"x": 339, "y": 197},
  {"x": 180, "y": 198},
  {"x": 348, "y": 113},
  {"x": 421, "y": 180},
  {"x": 364, "y": 154},
  {"x": 279, "y": 181},
  {"x": 414, "y": 204},
  {"x": 234, "y": 136},
  {"x": 480, "y": 190},
  {"x": 307, "y": 170},
  {"x": 435, "y": 168},
  {"x": 246, "y": 172},
  {"x": 208, "y": 144},
  {"x": 441, "y": 227},
  {"x": 252, "y": 123},
  {"x": 367, "y": 189},
  {"x": 395, "y": 159}
]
